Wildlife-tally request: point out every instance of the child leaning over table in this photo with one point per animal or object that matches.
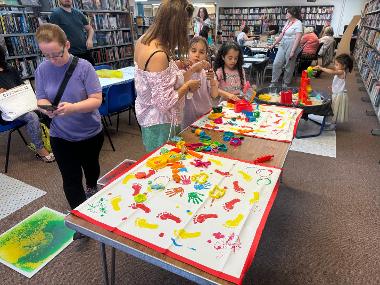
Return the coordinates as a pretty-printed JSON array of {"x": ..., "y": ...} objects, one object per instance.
[{"x": 343, "y": 64}]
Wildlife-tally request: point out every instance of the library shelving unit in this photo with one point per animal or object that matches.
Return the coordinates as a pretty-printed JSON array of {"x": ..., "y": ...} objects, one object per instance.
[
  {"x": 231, "y": 18},
  {"x": 367, "y": 54},
  {"x": 141, "y": 25},
  {"x": 18, "y": 24},
  {"x": 111, "y": 21}
]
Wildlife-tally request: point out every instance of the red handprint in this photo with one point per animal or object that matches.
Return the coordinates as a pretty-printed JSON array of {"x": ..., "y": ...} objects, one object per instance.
[
  {"x": 185, "y": 180},
  {"x": 175, "y": 191}
]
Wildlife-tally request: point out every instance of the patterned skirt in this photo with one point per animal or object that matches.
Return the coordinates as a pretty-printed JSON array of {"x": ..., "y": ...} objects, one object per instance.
[{"x": 340, "y": 107}]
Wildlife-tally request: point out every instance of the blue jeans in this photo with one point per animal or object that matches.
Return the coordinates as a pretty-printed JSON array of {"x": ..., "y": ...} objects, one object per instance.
[{"x": 33, "y": 128}]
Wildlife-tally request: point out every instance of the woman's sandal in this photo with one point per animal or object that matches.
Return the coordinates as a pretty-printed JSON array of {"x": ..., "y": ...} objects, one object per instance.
[{"x": 48, "y": 158}]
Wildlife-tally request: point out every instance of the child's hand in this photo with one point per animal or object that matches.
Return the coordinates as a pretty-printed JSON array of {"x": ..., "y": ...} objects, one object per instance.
[
  {"x": 183, "y": 64},
  {"x": 233, "y": 97},
  {"x": 193, "y": 85},
  {"x": 197, "y": 67},
  {"x": 317, "y": 67},
  {"x": 210, "y": 74}
]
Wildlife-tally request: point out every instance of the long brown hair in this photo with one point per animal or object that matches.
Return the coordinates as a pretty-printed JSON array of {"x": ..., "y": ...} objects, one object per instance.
[{"x": 170, "y": 26}]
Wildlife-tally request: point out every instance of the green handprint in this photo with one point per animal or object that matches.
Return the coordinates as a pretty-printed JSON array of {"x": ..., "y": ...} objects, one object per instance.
[{"x": 195, "y": 197}]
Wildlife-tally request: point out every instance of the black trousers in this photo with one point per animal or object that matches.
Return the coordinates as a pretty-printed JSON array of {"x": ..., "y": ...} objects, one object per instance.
[
  {"x": 87, "y": 56},
  {"x": 71, "y": 158}
]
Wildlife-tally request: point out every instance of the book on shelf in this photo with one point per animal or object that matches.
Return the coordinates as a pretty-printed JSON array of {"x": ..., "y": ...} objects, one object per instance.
[
  {"x": 10, "y": 2},
  {"x": 18, "y": 23},
  {"x": 25, "y": 66},
  {"x": 21, "y": 45},
  {"x": 30, "y": 2}
]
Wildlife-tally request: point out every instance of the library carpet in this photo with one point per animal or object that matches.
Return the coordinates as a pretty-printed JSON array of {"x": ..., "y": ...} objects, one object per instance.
[{"x": 323, "y": 227}]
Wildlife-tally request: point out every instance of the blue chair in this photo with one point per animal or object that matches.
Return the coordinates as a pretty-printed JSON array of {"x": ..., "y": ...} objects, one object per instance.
[
  {"x": 121, "y": 98},
  {"x": 102, "y": 66},
  {"x": 11, "y": 127},
  {"x": 103, "y": 110}
]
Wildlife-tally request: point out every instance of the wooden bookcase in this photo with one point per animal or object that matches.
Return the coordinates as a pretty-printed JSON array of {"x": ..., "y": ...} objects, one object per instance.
[
  {"x": 231, "y": 19},
  {"x": 367, "y": 52}
]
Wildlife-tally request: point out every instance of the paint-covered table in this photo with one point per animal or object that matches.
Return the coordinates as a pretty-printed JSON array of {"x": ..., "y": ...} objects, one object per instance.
[{"x": 249, "y": 150}]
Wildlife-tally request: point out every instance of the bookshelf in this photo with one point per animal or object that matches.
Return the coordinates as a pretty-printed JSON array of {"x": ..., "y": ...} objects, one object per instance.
[
  {"x": 141, "y": 25},
  {"x": 231, "y": 19},
  {"x": 367, "y": 53},
  {"x": 18, "y": 24},
  {"x": 111, "y": 21}
]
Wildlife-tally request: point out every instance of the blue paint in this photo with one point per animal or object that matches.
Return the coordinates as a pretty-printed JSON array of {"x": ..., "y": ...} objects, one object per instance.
[
  {"x": 192, "y": 248},
  {"x": 175, "y": 242}
]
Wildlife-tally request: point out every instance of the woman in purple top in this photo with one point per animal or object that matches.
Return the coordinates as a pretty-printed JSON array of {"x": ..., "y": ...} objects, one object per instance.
[{"x": 76, "y": 133}]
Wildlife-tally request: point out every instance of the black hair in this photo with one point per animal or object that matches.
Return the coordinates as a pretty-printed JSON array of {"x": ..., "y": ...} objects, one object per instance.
[
  {"x": 345, "y": 60},
  {"x": 204, "y": 31},
  {"x": 204, "y": 11},
  {"x": 245, "y": 29},
  {"x": 3, "y": 62},
  {"x": 219, "y": 61},
  {"x": 295, "y": 12}
]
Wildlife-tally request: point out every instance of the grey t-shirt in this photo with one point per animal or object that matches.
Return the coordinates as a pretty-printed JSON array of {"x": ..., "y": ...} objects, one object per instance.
[
  {"x": 72, "y": 23},
  {"x": 83, "y": 82}
]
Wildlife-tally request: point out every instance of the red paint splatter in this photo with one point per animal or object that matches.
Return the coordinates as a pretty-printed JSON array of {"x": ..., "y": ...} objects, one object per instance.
[
  {"x": 218, "y": 235},
  {"x": 237, "y": 188},
  {"x": 136, "y": 187},
  {"x": 209, "y": 241},
  {"x": 228, "y": 206},
  {"x": 277, "y": 122},
  {"x": 277, "y": 115},
  {"x": 124, "y": 219},
  {"x": 169, "y": 216},
  {"x": 140, "y": 206},
  {"x": 226, "y": 174},
  {"x": 203, "y": 217},
  {"x": 150, "y": 173},
  {"x": 143, "y": 175},
  {"x": 161, "y": 234}
]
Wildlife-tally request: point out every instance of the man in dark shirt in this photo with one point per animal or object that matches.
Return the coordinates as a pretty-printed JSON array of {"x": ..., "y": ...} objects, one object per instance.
[{"x": 75, "y": 25}]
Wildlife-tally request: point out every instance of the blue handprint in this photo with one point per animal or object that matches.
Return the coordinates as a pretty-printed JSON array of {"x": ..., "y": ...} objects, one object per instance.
[{"x": 204, "y": 186}]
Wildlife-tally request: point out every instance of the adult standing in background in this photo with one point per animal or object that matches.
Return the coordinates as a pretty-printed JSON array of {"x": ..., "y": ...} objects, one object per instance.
[
  {"x": 242, "y": 37},
  {"x": 75, "y": 25},
  {"x": 201, "y": 20},
  {"x": 289, "y": 40}
]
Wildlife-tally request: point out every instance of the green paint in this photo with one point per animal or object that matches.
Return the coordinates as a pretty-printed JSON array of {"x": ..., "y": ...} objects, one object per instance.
[
  {"x": 98, "y": 207},
  {"x": 35, "y": 241}
]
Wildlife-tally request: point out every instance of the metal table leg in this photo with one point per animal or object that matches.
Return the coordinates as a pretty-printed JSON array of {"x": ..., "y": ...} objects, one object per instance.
[
  {"x": 104, "y": 260},
  {"x": 113, "y": 257}
]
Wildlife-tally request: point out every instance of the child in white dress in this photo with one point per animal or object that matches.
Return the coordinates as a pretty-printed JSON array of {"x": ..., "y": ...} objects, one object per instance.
[{"x": 343, "y": 64}]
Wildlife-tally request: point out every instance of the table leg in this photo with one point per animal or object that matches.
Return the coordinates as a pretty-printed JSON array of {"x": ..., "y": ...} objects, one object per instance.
[
  {"x": 104, "y": 260},
  {"x": 113, "y": 257}
]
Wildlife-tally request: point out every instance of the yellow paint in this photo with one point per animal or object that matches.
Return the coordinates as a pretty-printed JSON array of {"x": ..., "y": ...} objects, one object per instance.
[
  {"x": 217, "y": 192},
  {"x": 189, "y": 213},
  {"x": 217, "y": 162},
  {"x": 245, "y": 175},
  {"x": 143, "y": 223},
  {"x": 184, "y": 234},
  {"x": 255, "y": 198},
  {"x": 235, "y": 222},
  {"x": 127, "y": 178},
  {"x": 115, "y": 203},
  {"x": 282, "y": 125},
  {"x": 200, "y": 178}
]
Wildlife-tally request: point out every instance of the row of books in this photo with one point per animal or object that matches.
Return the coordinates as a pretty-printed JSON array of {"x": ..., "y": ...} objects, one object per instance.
[
  {"x": 112, "y": 38},
  {"x": 370, "y": 57},
  {"x": 22, "y": 45},
  {"x": 108, "y": 21},
  {"x": 18, "y": 23},
  {"x": 26, "y": 67},
  {"x": 372, "y": 20},
  {"x": 372, "y": 6},
  {"x": 276, "y": 10},
  {"x": 106, "y": 55},
  {"x": 20, "y": 2},
  {"x": 94, "y": 4},
  {"x": 372, "y": 37},
  {"x": 317, "y": 17},
  {"x": 121, "y": 63}
]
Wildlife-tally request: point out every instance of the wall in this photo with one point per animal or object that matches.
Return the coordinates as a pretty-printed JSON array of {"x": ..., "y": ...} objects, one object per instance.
[{"x": 344, "y": 10}]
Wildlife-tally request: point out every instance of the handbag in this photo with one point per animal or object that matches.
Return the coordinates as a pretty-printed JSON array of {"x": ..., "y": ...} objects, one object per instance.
[
  {"x": 17, "y": 101},
  {"x": 46, "y": 120}
]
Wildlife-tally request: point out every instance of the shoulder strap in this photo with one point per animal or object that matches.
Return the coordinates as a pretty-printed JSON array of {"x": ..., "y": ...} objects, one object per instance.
[
  {"x": 68, "y": 74},
  {"x": 157, "y": 51}
]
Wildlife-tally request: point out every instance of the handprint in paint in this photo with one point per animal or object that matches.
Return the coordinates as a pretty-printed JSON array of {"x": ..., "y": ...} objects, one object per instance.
[
  {"x": 204, "y": 186},
  {"x": 195, "y": 197}
]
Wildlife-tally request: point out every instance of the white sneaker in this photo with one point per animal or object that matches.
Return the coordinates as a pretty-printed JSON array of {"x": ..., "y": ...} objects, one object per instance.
[
  {"x": 273, "y": 84},
  {"x": 284, "y": 85}
]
